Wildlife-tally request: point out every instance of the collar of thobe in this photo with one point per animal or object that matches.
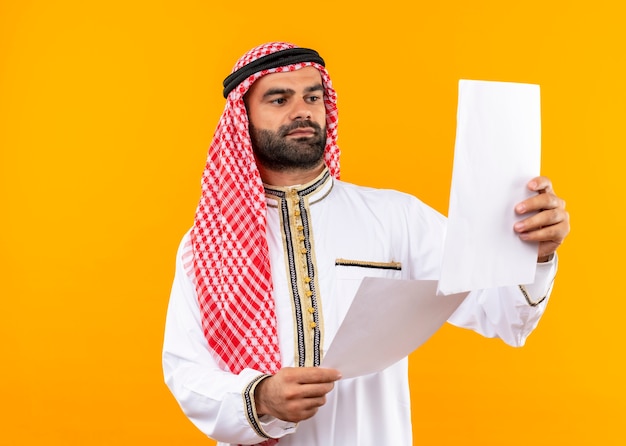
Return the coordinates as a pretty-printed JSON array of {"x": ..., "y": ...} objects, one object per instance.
[{"x": 315, "y": 190}]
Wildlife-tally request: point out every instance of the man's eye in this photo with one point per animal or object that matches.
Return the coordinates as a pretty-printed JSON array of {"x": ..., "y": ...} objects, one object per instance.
[
  {"x": 314, "y": 98},
  {"x": 278, "y": 101}
]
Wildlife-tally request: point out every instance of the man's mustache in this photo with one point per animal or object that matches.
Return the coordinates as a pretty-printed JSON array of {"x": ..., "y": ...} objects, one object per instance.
[{"x": 286, "y": 129}]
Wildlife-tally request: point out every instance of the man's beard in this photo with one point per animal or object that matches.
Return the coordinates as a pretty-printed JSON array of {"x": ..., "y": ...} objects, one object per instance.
[{"x": 275, "y": 152}]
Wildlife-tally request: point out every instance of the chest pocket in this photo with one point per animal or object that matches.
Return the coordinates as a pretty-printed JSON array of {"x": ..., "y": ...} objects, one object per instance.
[
  {"x": 348, "y": 277},
  {"x": 357, "y": 269},
  {"x": 349, "y": 274}
]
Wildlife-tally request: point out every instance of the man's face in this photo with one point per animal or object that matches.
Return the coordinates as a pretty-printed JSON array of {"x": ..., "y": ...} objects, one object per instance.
[{"x": 287, "y": 119}]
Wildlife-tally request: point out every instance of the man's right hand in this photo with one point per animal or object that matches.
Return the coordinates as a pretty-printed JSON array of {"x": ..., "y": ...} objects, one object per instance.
[{"x": 294, "y": 393}]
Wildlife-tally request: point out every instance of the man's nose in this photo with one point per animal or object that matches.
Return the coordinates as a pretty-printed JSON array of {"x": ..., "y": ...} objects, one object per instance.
[{"x": 301, "y": 111}]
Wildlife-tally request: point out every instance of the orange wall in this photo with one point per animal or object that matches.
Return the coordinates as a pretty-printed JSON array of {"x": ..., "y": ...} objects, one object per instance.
[{"x": 106, "y": 111}]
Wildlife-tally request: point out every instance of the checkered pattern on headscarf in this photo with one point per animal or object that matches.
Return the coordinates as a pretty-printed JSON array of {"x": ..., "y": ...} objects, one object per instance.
[{"x": 228, "y": 255}]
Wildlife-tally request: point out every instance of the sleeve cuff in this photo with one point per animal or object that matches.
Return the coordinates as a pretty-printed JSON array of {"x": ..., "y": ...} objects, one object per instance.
[
  {"x": 265, "y": 426},
  {"x": 250, "y": 406},
  {"x": 537, "y": 292}
]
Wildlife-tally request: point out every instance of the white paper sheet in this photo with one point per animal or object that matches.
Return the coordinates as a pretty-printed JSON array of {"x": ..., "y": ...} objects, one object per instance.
[
  {"x": 497, "y": 151},
  {"x": 387, "y": 320}
]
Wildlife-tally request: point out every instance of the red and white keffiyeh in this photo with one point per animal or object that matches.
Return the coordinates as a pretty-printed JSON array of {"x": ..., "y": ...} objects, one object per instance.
[{"x": 228, "y": 255}]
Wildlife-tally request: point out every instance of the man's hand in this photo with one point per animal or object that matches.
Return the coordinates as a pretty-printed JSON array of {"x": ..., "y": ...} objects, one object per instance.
[
  {"x": 550, "y": 225},
  {"x": 294, "y": 393}
]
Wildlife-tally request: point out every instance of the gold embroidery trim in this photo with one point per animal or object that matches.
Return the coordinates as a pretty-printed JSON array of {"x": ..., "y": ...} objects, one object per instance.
[
  {"x": 369, "y": 264},
  {"x": 527, "y": 296}
]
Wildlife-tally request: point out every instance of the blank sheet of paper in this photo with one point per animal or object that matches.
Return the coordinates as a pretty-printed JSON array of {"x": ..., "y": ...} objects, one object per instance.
[
  {"x": 387, "y": 320},
  {"x": 497, "y": 151}
]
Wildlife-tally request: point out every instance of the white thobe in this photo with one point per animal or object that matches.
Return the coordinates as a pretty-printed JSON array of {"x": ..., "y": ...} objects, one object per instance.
[{"x": 324, "y": 237}]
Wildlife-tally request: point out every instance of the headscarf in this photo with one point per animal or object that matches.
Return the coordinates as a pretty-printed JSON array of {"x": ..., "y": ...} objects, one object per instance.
[{"x": 228, "y": 254}]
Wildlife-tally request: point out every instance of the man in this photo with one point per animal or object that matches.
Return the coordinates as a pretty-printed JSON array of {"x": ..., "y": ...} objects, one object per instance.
[{"x": 278, "y": 248}]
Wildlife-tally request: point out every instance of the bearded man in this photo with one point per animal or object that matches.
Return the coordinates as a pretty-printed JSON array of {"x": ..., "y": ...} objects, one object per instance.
[{"x": 278, "y": 248}]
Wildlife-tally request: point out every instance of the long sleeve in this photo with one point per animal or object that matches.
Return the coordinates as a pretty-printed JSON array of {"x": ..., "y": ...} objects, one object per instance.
[
  {"x": 509, "y": 313},
  {"x": 210, "y": 397}
]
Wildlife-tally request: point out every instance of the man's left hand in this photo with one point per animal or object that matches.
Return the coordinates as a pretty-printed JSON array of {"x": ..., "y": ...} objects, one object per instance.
[{"x": 549, "y": 225}]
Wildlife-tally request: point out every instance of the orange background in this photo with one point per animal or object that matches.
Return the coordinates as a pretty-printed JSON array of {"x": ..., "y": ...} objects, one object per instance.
[{"x": 106, "y": 112}]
